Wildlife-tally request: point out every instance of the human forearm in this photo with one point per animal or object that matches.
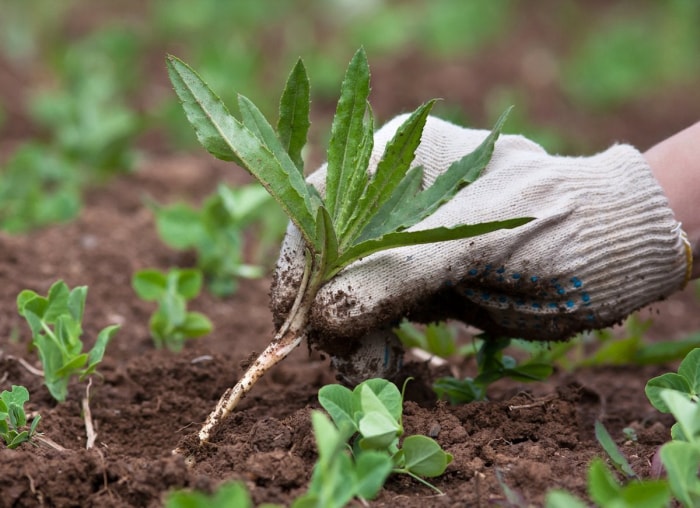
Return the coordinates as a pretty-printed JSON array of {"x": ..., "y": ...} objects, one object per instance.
[{"x": 675, "y": 163}]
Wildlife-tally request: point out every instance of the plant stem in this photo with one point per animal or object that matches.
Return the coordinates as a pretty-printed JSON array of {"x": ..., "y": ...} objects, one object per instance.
[
  {"x": 87, "y": 416},
  {"x": 290, "y": 334}
]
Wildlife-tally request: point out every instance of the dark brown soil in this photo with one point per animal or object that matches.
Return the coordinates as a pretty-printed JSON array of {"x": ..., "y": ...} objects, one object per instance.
[{"x": 534, "y": 437}]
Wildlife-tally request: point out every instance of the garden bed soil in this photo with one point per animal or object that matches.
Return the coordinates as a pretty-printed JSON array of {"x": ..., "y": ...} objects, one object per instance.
[{"x": 146, "y": 402}]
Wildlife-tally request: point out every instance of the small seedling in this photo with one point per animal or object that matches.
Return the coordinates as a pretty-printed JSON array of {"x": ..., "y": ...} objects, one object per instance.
[
  {"x": 171, "y": 324},
  {"x": 373, "y": 412},
  {"x": 492, "y": 365},
  {"x": 438, "y": 339},
  {"x": 685, "y": 382},
  {"x": 678, "y": 394},
  {"x": 337, "y": 477},
  {"x": 13, "y": 418},
  {"x": 216, "y": 232},
  {"x": 56, "y": 324},
  {"x": 228, "y": 495},
  {"x": 360, "y": 214},
  {"x": 39, "y": 186}
]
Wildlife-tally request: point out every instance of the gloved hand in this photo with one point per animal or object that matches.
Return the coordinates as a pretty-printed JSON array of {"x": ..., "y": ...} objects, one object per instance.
[{"x": 604, "y": 243}]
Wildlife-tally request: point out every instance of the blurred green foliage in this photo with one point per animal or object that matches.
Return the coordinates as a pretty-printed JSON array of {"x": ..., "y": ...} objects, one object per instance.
[
  {"x": 632, "y": 52},
  {"x": 94, "y": 76}
]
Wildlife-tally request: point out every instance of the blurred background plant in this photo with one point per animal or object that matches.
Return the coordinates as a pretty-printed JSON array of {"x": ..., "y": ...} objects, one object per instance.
[{"x": 83, "y": 87}]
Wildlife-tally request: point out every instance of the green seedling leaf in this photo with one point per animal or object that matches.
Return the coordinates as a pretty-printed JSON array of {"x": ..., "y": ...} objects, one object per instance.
[
  {"x": 98, "y": 350},
  {"x": 150, "y": 285},
  {"x": 231, "y": 495},
  {"x": 55, "y": 321},
  {"x": 340, "y": 404},
  {"x": 196, "y": 324},
  {"x": 686, "y": 413},
  {"x": 293, "y": 124},
  {"x": 75, "y": 364},
  {"x": 606, "y": 441},
  {"x": 217, "y": 230},
  {"x": 602, "y": 486},
  {"x": 436, "y": 338},
  {"x": 562, "y": 499},
  {"x": 668, "y": 381},
  {"x": 373, "y": 468},
  {"x": 690, "y": 370},
  {"x": 458, "y": 391},
  {"x": 687, "y": 381},
  {"x": 171, "y": 324},
  {"x": 424, "y": 457},
  {"x": 378, "y": 426},
  {"x": 386, "y": 394},
  {"x": 681, "y": 462},
  {"x": 665, "y": 352},
  {"x": 189, "y": 282},
  {"x": 13, "y": 417},
  {"x": 529, "y": 372}
]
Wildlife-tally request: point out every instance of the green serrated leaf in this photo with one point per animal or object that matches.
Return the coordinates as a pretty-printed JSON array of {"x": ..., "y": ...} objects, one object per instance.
[
  {"x": 405, "y": 238},
  {"x": 225, "y": 137},
  {"x": 395, "y": 163},
  {"x": 347, "y": 131},
  {"x": 293, "y": 124},
  {"x": 404, "y": 213},
  {"x": 254, "y": 120},
  {"x": 360, "y": 177}
]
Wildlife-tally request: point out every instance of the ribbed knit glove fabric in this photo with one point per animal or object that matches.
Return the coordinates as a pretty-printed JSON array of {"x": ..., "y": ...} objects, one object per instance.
[{"x": 604, "y": 243}]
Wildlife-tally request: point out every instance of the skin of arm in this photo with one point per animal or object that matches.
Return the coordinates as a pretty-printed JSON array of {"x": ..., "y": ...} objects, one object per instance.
[{"x": 675, "y": 162}]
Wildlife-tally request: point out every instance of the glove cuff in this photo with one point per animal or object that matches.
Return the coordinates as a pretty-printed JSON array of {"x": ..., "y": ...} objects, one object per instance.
[{"x": 612, "y": 246}]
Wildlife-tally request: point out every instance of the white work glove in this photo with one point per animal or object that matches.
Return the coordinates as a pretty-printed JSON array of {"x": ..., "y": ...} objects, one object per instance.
[{"x": 604, "y": 243}]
